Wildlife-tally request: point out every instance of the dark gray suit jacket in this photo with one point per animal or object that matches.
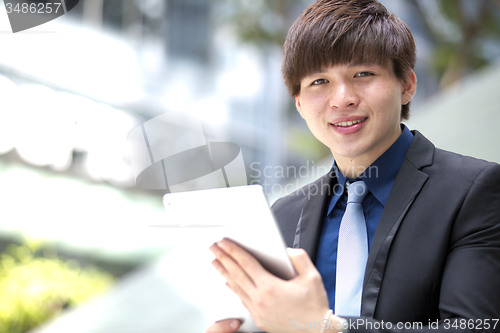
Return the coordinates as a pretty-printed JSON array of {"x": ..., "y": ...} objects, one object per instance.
[{"x": 435, "y": 255}]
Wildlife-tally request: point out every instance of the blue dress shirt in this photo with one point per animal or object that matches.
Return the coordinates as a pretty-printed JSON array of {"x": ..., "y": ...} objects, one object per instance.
[{"x": 379, "y": 178}]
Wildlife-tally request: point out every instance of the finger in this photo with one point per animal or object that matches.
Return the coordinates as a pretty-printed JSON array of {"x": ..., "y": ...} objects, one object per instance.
[
  {"x": 220, "y": 268},
  {"x": 224, "y": 326},
  {"x": 245, "y": 260},
  {"x": 244, "y": 298},
  {"x": 235, "y": 273},
  {"x": 234, "y": 288},
  {"x": 240, "y": 292},
  {"x": 300, "y": 260}
]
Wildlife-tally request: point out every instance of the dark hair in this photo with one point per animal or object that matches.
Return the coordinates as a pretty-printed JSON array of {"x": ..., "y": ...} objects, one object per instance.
[{"x": 332, "y": 32}]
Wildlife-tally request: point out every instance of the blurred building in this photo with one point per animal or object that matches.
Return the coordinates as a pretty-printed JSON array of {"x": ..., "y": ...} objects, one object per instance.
[
  {"x": 72, "y": 89},
  {"x": 145, "y": 58}
]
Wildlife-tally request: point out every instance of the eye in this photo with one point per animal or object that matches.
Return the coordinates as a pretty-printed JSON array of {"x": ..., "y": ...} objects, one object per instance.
[
  {"x": 318, "y": 82},
  {"x": 362, "y": 74}
]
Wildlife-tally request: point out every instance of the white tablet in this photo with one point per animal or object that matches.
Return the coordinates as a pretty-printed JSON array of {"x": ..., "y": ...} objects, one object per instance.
[{"x": 243, "y": 215}]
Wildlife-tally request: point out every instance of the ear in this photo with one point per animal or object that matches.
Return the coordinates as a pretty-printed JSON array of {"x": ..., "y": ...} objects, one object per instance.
[
  {"x": 409, "y": 87},
  {"x": 298, "y": 105}
]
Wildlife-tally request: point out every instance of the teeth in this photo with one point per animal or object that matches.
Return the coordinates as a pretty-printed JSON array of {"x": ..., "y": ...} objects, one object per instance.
[{"x": 348, "y": 123}]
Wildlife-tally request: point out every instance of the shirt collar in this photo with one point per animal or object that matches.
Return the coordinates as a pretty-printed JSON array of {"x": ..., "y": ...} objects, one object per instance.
[{"x": 381, "y": 175}]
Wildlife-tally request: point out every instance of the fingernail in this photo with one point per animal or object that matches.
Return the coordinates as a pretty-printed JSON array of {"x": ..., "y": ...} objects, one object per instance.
[{"x": 233, "y": 324}]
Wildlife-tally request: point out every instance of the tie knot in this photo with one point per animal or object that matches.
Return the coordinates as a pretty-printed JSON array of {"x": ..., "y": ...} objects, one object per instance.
[{"x": 356, "y": 192}]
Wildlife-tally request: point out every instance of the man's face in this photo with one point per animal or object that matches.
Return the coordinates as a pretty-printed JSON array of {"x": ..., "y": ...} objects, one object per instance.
[{"x": 355, "y": 109}]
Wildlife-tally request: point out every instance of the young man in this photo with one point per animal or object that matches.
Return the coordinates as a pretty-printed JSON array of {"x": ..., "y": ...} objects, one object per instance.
[{"x": 425, "y": 253}]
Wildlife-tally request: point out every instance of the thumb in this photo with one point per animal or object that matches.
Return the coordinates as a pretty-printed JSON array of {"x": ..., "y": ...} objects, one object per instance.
[
  {"x": 300, "y": 260},
  {"x": 224, "y": 326}
]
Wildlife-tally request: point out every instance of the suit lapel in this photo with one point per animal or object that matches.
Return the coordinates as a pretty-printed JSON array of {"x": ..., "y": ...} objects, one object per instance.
[
  {"x": 311, "y": 217},
  {"x": 408, "y": 184}
]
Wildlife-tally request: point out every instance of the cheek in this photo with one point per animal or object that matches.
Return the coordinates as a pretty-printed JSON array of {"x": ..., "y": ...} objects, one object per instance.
[
  {"x": 389, "y": 103},
  {"x": 311, "y": 106}
]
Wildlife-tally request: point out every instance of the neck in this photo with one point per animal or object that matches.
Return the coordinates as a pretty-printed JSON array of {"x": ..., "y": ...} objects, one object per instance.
[{"x": 352, "y": 167}]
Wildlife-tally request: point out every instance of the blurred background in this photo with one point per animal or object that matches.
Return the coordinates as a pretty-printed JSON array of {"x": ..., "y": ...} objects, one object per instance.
[{"x": 78, "y": 252}]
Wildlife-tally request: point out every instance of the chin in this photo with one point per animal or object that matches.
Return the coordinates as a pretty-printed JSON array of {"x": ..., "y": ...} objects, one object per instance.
[{"x": 348, "y": 153}]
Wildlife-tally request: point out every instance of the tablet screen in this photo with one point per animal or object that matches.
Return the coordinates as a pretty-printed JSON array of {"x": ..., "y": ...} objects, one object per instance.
[{"x": 242, "y": 214}]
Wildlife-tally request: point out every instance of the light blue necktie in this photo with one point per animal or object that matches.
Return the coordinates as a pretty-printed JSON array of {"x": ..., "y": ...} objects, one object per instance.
[{"x": 352, "y": 253}]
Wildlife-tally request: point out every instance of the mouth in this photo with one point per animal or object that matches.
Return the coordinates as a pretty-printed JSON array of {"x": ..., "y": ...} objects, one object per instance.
[{"x": 349, "y": 123}]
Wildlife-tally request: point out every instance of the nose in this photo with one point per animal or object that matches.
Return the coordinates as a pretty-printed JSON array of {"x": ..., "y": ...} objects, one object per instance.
[{"x": 343, "y": 95}]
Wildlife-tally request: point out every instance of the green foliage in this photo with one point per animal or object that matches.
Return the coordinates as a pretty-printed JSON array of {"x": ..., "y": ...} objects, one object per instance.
[
  {"x": 473, "y": 28},
  {"x": 257, "y": 21},
  {"x": 34, "y": 289}
]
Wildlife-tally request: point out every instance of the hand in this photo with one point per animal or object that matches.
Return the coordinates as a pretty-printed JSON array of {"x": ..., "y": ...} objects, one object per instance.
[
  {"x": 275, "y": 305},
  {"x": 224, "y": 326}
]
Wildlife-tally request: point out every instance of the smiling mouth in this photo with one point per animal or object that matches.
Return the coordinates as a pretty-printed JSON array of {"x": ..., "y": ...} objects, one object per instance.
[{"x": 349, "y": 123}]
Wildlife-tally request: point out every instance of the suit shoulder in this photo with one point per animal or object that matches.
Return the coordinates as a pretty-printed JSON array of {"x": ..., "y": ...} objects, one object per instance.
[
  {"x": 456, "y": 165},
  {"x": 423, "y": 155}
]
